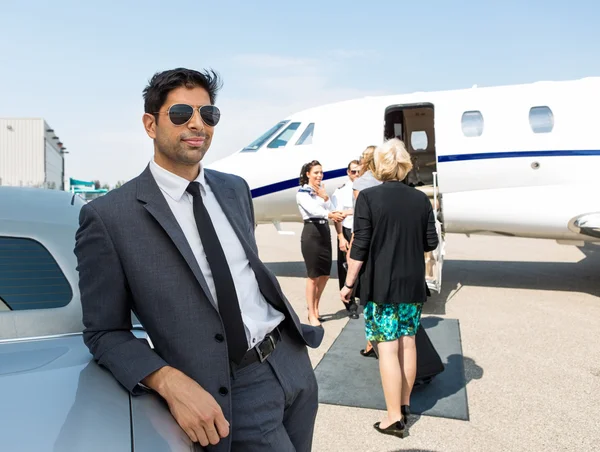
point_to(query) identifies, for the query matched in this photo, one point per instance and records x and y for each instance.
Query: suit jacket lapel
(227, 199)
(154, 201)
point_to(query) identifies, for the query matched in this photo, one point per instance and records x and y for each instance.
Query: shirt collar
(172, 184)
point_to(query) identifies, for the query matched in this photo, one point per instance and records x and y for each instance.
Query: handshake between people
(337, 216)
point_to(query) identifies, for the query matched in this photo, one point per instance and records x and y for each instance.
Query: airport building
(31, 154)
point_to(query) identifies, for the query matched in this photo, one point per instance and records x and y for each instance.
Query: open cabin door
(414, 124)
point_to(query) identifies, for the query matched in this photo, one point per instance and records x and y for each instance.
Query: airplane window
(472, 123)
(282, 139)
(256, 144)
(418, 140)
(307, 136)
(541, 119)
(31, 278)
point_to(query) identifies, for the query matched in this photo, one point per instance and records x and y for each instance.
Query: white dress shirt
(343, 199)
(311, 205)
(258, 315)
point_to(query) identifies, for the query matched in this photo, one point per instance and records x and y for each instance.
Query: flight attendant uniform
(316, 234)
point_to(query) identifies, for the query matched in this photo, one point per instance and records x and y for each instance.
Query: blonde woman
(366, 179)
(366, 176)
(394, 226)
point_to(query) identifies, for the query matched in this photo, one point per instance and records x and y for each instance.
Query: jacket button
(219, 337)
(223, 391)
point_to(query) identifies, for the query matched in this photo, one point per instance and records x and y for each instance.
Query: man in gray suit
(176, 246)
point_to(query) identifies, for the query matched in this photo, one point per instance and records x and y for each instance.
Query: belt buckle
(262, 356)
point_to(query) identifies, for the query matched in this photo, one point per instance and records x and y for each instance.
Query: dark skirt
(316, 249)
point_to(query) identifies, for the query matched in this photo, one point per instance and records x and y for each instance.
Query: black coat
(394, 227)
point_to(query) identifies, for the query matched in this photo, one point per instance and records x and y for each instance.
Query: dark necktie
(227, 299)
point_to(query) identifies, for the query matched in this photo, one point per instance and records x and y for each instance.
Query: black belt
(316, 221)
(262, 350)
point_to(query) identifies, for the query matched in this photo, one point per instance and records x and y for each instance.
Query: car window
(3, 305)
(30, 278)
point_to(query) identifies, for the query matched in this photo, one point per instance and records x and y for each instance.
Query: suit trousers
(275, 402)
(342, 272)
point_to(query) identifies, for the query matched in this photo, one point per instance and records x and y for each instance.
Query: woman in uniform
(316, 210)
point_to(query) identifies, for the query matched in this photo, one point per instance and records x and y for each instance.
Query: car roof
(26, 204)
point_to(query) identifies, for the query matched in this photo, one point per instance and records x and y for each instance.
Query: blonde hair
(366, 160)
(392, 161)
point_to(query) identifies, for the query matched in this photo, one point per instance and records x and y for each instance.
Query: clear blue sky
(82, 65)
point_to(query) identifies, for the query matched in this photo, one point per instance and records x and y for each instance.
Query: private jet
(516, 160)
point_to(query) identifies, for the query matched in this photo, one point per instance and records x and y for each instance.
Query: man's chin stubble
(183, 156)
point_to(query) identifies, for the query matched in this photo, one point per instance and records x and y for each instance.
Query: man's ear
(149, 124)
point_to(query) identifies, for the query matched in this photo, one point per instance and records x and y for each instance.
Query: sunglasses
(180, 114)
(353, 171)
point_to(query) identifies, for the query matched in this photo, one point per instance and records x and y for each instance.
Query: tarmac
(529, 313)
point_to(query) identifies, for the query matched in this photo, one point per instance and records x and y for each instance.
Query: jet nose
(239, 164)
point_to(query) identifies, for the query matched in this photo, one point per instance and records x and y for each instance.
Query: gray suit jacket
(133, 255)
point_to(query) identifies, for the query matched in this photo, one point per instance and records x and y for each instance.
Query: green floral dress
(388, 321)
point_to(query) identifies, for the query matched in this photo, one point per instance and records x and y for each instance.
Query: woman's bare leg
(321, 283)
(391, 380)
(407, 355)
(311, 296)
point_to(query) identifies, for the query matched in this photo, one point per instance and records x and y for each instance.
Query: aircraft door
(414, 124)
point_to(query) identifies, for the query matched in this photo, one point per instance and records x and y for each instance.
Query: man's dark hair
(353, 162)
(162, 83)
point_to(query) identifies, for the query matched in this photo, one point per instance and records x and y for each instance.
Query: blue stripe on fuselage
(507, 155)
(291, 183)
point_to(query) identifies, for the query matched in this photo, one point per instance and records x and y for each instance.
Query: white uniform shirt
(258, 315)
(311, 205)
(343, 199)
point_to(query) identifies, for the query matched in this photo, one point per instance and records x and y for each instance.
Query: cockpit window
(307, 135)
(282, 139)
(256, 144)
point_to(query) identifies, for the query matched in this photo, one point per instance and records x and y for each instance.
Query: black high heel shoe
(405, 413)
(368, 354)
(395, 429)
